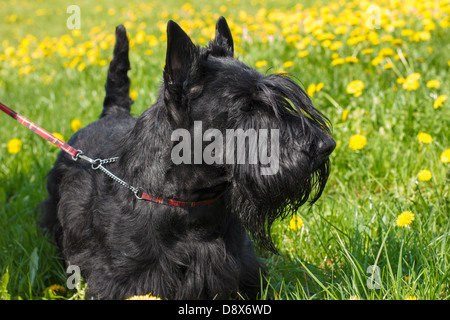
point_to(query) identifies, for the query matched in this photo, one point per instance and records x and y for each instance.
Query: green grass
(352, 226)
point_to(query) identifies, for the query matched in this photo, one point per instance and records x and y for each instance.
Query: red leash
(98, 163)
(38, 130)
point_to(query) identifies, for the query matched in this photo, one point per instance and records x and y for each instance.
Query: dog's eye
(247, 108)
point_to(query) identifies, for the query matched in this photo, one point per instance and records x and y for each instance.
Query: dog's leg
(117, 87)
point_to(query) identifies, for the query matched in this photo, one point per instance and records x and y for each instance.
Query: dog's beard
(259, 200)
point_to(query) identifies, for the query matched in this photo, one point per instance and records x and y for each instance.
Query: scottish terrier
(193, 238)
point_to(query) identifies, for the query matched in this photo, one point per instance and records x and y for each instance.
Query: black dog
(125, 245)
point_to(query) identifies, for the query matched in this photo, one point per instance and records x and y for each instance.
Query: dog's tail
(117, 86)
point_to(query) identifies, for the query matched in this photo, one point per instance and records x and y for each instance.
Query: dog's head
(260, 133)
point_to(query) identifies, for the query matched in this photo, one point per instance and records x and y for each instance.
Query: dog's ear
(179, 56)
(223, 37)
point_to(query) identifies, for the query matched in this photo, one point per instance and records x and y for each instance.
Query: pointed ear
(179, 56)
(223, 36)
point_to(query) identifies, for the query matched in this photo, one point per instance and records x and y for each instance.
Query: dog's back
(99, 139)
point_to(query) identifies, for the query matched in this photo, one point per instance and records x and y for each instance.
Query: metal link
(98, 164)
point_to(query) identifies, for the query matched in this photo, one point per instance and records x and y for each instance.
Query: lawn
(379, 71)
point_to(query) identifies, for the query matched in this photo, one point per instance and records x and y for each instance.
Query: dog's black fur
(125, 246)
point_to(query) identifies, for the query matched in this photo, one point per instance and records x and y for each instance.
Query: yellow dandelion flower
(351, 59)
(326, 43)
(261, 63)
(433, 84)
(302, 53)
(345, 115)
(144, 297)
(366, 51)
(288, 64)
(386, 52)
(337, 61)
(75, 125)
(445, 156)
(388, 65)
(319, 86)
(296, 223)
(439, 102)
(14, 146)
(76, 32)
(311, 89)
(134, 94)
(357, 142)
(355, 87)
(335, 45)
(397, 42)
(81, 66)
(411, 298)
(424, 137)
(56, 289)
(376, 61)
(411, 82)
(341, 29)
(424, 175)
(405, 219)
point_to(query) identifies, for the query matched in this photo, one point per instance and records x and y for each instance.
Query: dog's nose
(326, 146)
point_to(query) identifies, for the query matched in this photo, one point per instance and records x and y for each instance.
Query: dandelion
(311, 89)
(411, 298)
(445, 156)
(76, 32)
(337, 61)
(424, 137)
(56, 289)
(351, 60)
(261, 63)
(134, 94)
(14, 146)
(433, 84)
(405, 219)
(81, 66)
(144, 297)
(355, 87)
(302, 53)
(288, 64)
(75, 125)
(376, 61)
(296, 223)
(411, 82)
(424, 175)
(439, 102)
(357, 142)
(386, 52)
(366, 51)
(345, 114)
